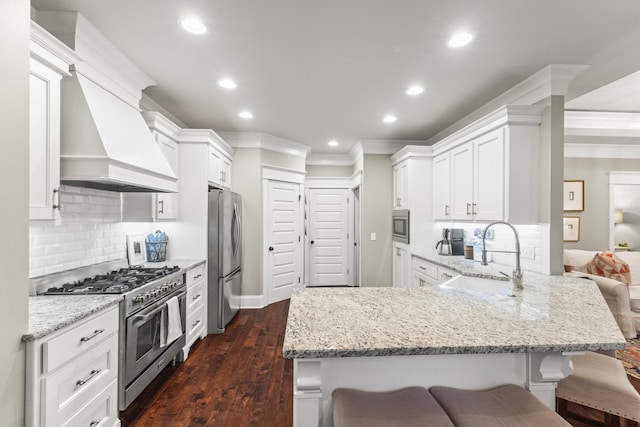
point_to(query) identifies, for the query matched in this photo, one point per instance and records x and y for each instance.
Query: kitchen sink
(477, 284)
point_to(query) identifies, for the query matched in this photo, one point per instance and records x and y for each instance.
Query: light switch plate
(373, 236)
(528, 252)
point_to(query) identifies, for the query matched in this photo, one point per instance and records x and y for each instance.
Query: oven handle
(160, 307)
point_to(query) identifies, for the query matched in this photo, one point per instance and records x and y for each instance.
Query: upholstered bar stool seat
(507, 405)
(599, 382)
(408, 407)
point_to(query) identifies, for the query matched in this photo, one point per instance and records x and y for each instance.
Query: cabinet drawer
(74, 385)
(195, 296)
(445, 274)
(101, 411)
(195, 323)
(64, 347)
(425, 267)
(195, 274)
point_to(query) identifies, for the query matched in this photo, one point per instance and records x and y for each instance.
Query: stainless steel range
(144, 319)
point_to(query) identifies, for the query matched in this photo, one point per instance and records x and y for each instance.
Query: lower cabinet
(401, 265)
(426, 273)
(196, 307)
(72, 374)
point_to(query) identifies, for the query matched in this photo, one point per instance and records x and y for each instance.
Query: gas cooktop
(116, 282)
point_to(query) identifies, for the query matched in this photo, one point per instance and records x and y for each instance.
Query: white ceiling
(311, 71)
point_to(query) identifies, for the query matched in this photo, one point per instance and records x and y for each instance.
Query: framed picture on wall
(571, 228)
(574, 196)
(136, 249)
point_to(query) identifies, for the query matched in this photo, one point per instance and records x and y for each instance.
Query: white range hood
(104, 141)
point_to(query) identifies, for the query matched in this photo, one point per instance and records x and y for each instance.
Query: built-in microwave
(400, 226)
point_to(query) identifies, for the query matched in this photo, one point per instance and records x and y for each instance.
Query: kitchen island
(388, 338)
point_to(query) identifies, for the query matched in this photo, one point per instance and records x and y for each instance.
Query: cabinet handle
(446, 210)
(93, 335)
(468, 207)
(398, 251)
(398, 201)
(447, 275)
(422, 268)
(161, 203)
(194, 324)
(56, 197)
(92, 374)
(196, 297)
(473, 211)
(94, 423)
(197, 276)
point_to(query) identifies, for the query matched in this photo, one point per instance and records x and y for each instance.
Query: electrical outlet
(528, 252)
(373, 236)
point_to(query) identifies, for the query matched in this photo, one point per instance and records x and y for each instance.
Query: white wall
(14, 187)
(594, 220)
(323, 171)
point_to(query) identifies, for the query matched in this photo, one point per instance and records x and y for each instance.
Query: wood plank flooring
(236, 379)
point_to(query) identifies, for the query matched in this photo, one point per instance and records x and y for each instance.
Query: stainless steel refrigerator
(224, 258)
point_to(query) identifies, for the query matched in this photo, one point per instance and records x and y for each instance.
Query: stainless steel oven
(400, 226)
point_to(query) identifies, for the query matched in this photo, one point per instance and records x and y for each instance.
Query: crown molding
(604, 123)
(50, 51)
(552, 80)
(205, 136)
(149, 104)
(162, 124)
(267, 142)
(601, 151)
(520, 115)
(386, 146)
(412, 151)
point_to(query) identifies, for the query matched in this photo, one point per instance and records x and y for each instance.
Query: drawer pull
(93, 335)
(92, 374)
(94, 423)
(422, 268)
(447, 275)
(197, 277)
(194, 324)
(196, 297)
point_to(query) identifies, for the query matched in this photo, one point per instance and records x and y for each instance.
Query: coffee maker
(452, 242)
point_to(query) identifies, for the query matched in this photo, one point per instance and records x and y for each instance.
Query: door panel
(329, 232)
(284, 246)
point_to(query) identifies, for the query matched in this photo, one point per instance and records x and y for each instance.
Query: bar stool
(507, 405)
(407, 407)
(599, 382)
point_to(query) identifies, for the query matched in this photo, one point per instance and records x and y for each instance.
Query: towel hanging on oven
(170, 323)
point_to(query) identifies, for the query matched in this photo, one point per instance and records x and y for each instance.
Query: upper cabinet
(401, 185)
(411, 178)
(487, 171)
(50, 61)
(219, 166)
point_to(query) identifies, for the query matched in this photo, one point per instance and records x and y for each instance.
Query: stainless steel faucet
(518, 275)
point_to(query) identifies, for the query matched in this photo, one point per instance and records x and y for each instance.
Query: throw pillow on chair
(607, 264)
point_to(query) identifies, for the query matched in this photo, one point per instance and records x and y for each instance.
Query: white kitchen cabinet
(401, 265)
(442, 187)
(424, 273)
(401, 185)
(166, 204)
(493, 168)
(72, 374)
(195, 315)
(219, 168)
(49, 63)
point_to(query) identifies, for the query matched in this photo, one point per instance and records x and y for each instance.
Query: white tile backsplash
(90, 232)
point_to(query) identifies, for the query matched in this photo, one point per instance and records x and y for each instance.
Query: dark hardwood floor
(236, 379)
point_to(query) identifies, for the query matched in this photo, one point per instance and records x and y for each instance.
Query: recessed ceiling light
(246, 115)
(415, 90)
(193, 25)
(227, 84)
(460, 39)
(333, 143)
(389, 119)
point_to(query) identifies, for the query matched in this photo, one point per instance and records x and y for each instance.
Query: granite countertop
(551, 313)
(182, 263)
(469, 267)
(48, 313)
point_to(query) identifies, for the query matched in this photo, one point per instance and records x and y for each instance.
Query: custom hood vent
(105, 142)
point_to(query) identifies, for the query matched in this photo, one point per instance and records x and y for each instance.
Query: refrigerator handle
(238, 230)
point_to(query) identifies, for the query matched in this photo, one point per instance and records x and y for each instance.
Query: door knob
(270, 248)
(312, 242)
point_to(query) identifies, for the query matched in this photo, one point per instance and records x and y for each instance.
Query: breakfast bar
(470, 334)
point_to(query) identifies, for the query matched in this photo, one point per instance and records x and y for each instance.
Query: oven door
(142, 346)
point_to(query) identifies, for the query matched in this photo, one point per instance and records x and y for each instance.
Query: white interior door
(284, 257)
(329, 253)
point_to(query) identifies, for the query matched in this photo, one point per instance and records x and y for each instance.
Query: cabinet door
(462, 182)
(488, 179)
(442, 187)
(401, 186)
(225, 172)
(166, 204)
(401, 265)
(214, 166)
(44, 142)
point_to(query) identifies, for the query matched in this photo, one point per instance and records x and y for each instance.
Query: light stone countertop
(48, 313)
(551, 313)
(469, 267)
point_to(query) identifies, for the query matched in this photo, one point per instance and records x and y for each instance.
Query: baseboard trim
(252, 301)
